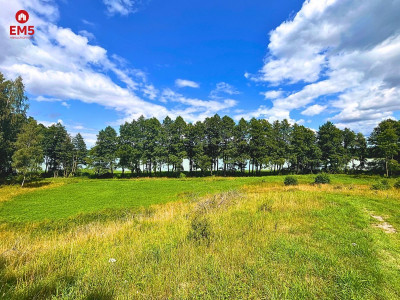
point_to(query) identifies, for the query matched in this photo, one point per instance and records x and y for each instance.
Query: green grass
(226, 239)
(85, 197)
(91, 196)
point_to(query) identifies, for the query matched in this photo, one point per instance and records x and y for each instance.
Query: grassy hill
(200, 238)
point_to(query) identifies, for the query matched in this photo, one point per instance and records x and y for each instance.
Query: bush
(265, 207)
(290, 180)
(200, 229)
(322, 179)
(182, 175)
(381, 186)
(397, 184)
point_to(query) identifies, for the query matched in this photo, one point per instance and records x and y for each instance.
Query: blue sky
(102, 62)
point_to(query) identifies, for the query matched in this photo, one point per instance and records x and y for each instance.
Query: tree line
(220, 144)
(217, 144)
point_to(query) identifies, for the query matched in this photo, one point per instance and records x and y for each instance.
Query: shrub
(265, 207)
(290, 180)
(200, 229)
(397, 184)
(182, 175)
(322, 178)
(381, 186)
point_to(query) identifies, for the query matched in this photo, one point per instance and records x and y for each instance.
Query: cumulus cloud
(314, 110)
(346, 50)
(272, 94)
(65, 104)
(61, 65)
(186, 83)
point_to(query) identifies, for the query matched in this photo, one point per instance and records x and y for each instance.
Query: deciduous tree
(29, 154)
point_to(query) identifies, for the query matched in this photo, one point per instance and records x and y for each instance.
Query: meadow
(200, 238)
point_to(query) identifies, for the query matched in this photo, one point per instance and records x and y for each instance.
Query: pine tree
(105, 150)
(241, 145)
(227, 146)
(200, 158)
(79, 152)
(349, 138)
(151, 143)
(304, 152)
(386, 142)
(57, 148)
(330, 141)
(257, 144)
(166, 140)
(212, 130)
(177, 146)
(360, 150)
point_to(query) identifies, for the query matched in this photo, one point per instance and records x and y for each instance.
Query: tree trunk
(150, 167)
(224, 166)
(387, 169)
(23, 181)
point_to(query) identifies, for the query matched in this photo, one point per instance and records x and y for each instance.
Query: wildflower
(112, 260)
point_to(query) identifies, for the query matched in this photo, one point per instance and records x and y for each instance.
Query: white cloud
(61, 65)
(122, 7)
(272, 94)
(348, 51)
(65, 104)
(49, 123)
(314, 110)
(46, 99)
(86, 22)
(271, 114)
(223, 88)
(186, 83)
(150, 91)
(87, 34)
(90, 138)
(197, 109)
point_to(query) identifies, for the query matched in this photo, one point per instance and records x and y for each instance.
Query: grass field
(215, 238)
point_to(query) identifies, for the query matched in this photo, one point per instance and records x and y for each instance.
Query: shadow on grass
(36, 184)
(101, 294)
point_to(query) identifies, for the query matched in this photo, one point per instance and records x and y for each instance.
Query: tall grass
(260, 241)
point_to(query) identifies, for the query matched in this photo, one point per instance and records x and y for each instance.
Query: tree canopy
(215, 144)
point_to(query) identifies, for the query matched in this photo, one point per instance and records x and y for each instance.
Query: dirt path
(388, 228)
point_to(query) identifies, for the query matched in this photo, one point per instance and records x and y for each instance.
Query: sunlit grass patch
(263, 240)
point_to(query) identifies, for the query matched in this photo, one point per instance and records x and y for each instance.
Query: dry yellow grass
(7, 192)
(266, 240)
(354, 189)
